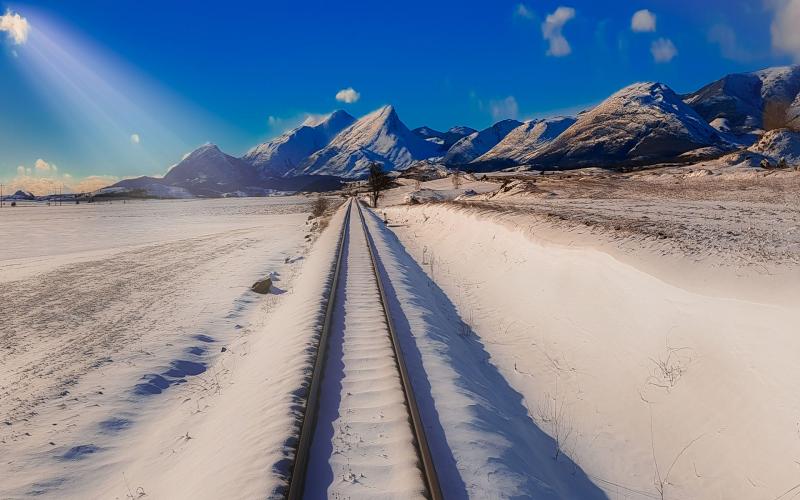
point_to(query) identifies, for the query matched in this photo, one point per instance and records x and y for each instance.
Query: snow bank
(627, 370)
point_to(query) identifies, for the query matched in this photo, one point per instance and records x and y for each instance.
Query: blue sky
(91, 75)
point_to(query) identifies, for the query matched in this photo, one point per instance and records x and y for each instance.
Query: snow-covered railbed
(363, 444)
(122, 325)
(644, 384)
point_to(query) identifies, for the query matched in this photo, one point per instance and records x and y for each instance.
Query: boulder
(262, 286)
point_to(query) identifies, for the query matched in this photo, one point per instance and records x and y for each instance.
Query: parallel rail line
(298, 478)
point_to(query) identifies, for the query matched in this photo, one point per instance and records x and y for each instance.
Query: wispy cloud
(663, 50)
(504, 108)
(725, 37)
(348, 95)
(522, 11)
(643, 21)
(16, 26)
(785, 29)
(552, 31)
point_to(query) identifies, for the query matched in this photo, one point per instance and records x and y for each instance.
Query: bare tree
(377, 181)
(456, 178)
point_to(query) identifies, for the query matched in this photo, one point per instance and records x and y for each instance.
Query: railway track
(361, 427)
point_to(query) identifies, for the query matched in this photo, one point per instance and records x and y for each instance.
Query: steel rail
(417, 427)
(297, 477)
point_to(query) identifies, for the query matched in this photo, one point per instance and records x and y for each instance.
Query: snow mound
(644, 123)
(521, 143)
(478, 143)
(423, 196)
(378, 137)
(284, 153)
(779, 144)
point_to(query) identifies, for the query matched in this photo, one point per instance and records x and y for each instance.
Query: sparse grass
(551, 412)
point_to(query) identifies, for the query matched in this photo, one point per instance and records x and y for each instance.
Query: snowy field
(108, 309)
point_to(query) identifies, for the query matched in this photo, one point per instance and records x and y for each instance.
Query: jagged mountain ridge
(476, 144)
(522, 142)
(378, 137)
(444, 139)
(642, 123)
(277, 157)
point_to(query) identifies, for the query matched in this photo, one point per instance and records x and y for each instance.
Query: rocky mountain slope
(522, 142)
(286, 152)
(747, 103)
(641, 124)
(378, 137)
(478, 143)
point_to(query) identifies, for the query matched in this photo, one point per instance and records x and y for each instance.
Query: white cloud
(552, 31)
(725, 37)
(16, 26)
(504, 108)
(348, 95)
(135, 139)
(524, 12)
(42, 166)
(785, 28)
(643, 21)
(51, 181)
(663, 50)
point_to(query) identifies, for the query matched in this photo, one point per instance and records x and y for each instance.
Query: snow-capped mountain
(208, 172)
(747, 103)
(444, 139)
(378, 137)
(278, 156)
(209, 169)
(643, 123)
(522, 142)
(478, 143)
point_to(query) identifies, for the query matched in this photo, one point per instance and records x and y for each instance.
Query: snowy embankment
(647, 386)
(137, 361)
(483, 441)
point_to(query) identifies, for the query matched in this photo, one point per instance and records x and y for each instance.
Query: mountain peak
(378, 137)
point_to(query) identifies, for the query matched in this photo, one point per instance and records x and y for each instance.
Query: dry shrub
(319, 206)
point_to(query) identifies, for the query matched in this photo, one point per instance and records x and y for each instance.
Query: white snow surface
(127, 310)
(377, 137)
